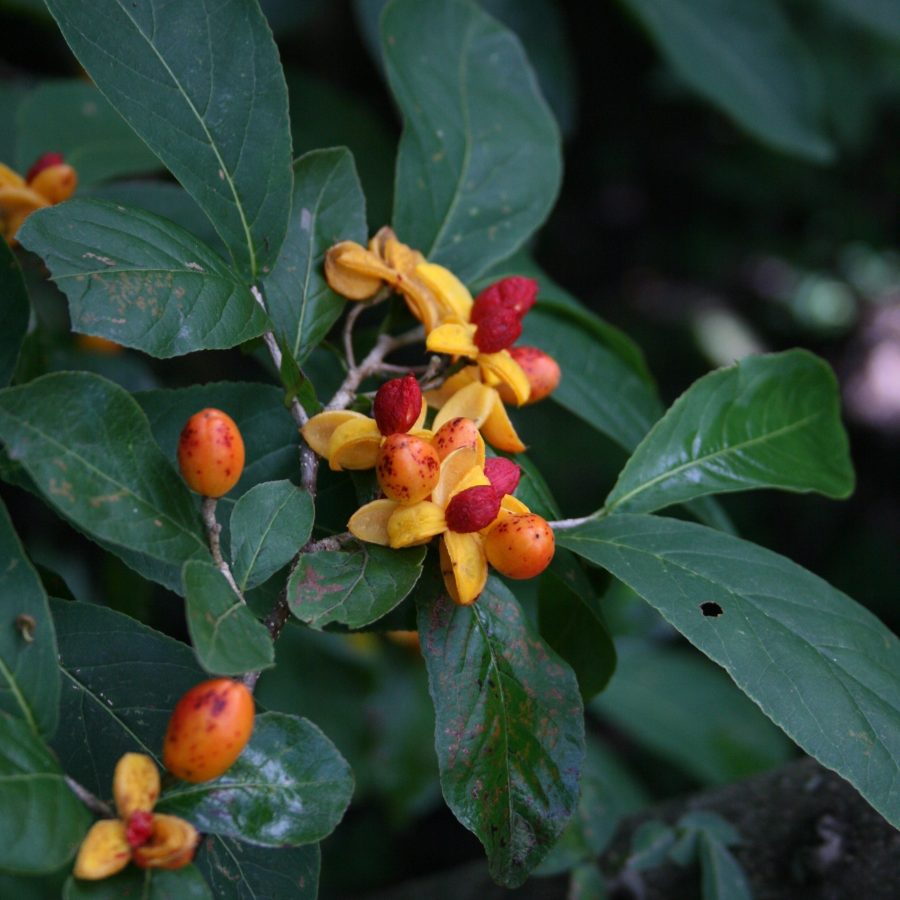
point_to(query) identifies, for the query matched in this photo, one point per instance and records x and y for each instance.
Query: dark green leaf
(711, 824)
(587, 883)
(14, 312)
(42, 821)
(478, 166)
(328, 207)
(75, 119)
(767, 421)
(121, 681)
(819, 665)
(509, 728)
(88, 448)
(239, 871)
(29, 680)
(723, 878)
(650, 844)
(745, 59)
(141, 280)
(691, 714)
(203, 87)
(147, 884)
(34, 887)
(290, 786)
(355, 586)
(882, 17)
(269, 524)
(226, 636)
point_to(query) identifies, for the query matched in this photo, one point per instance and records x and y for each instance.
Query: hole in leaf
(711, 608)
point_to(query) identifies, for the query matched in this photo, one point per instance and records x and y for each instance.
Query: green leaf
(355, 586)
(328, 207)
(121, 681)
(767, 421)
(147, 884)
(691, 714)
(650, 844)
(745, 59)
(226, 636)
(14, 312)
(819, 665)
(29, 680)
(75, 119)
(881, 17)
(589, 366)
(140, 280)
(88, 448)
(43, 821)
(722, 876)
(587, 883)
(239, 871)
(509, 729)
(290, 786)
(269, 524)
(478, 166)
(203, 88)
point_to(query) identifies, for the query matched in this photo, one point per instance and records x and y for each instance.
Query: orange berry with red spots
(208, 729)
(541, 370)
(211, 453)
(520, 546)
(458, 432)
(407, 468)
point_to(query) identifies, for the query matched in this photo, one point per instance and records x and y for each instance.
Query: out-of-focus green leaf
(147, 884)
(354, 586)
(121, 681)
(226, 636)
(509, 730)
(14, 312)
(239, 871)
(205, 91)
(767, 421)
(882, 17)
(140, 280)
(478, 166)
(823, 668)
(722, 876)
(650, 845)
(29, 679)
(586, 882)
(88, 448)
(328, 207)
(12, 93)
(75, 119)
(289, 786)
(42, 821)
(269, 524)
(691, 714)
(745, 59)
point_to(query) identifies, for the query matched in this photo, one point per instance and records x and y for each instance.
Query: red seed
(497, 330)
(472, 509)
(503, 474)
(139, 828)
(397, 405)
(513, 294)
(44, 162)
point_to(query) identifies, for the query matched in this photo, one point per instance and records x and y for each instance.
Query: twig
(349, 325)
(94, 804)
(213, 532)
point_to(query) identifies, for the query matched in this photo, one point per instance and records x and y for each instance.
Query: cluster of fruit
(49, 181)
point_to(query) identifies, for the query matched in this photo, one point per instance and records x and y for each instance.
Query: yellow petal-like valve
(497, 429)
(370, 522)
(171, 845)
(475, 401)
(9, 178)
(507, 371)
(135, 784)
(354, 445)
(450, 291)
(454, 339)
(463, 378)
(454, 469)
(318, 430)
(103, 852)
(416, 524)
(354, 272)
(468, 568)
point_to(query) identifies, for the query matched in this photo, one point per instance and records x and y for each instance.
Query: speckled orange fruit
(407, 467)
(452, 435)
(520, 546)
(211, 453)
(541, 370)
(208, 729)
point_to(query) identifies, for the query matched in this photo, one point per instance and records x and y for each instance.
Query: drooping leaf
(822, 667)
(239, 871)
(745, 59)
(141, 280)
(767, 421)
(478, 166)
(722, 876)
(42, 821)
(29, 680)
(75, 119)
(205, 91)
(148, 884)
(121, 681)
(690, 714)
(14, 312)
(269, 524)
(227, 637)
(354, 586)
(290, 786)
(509, 729)
(328, 207)
(88, 448)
